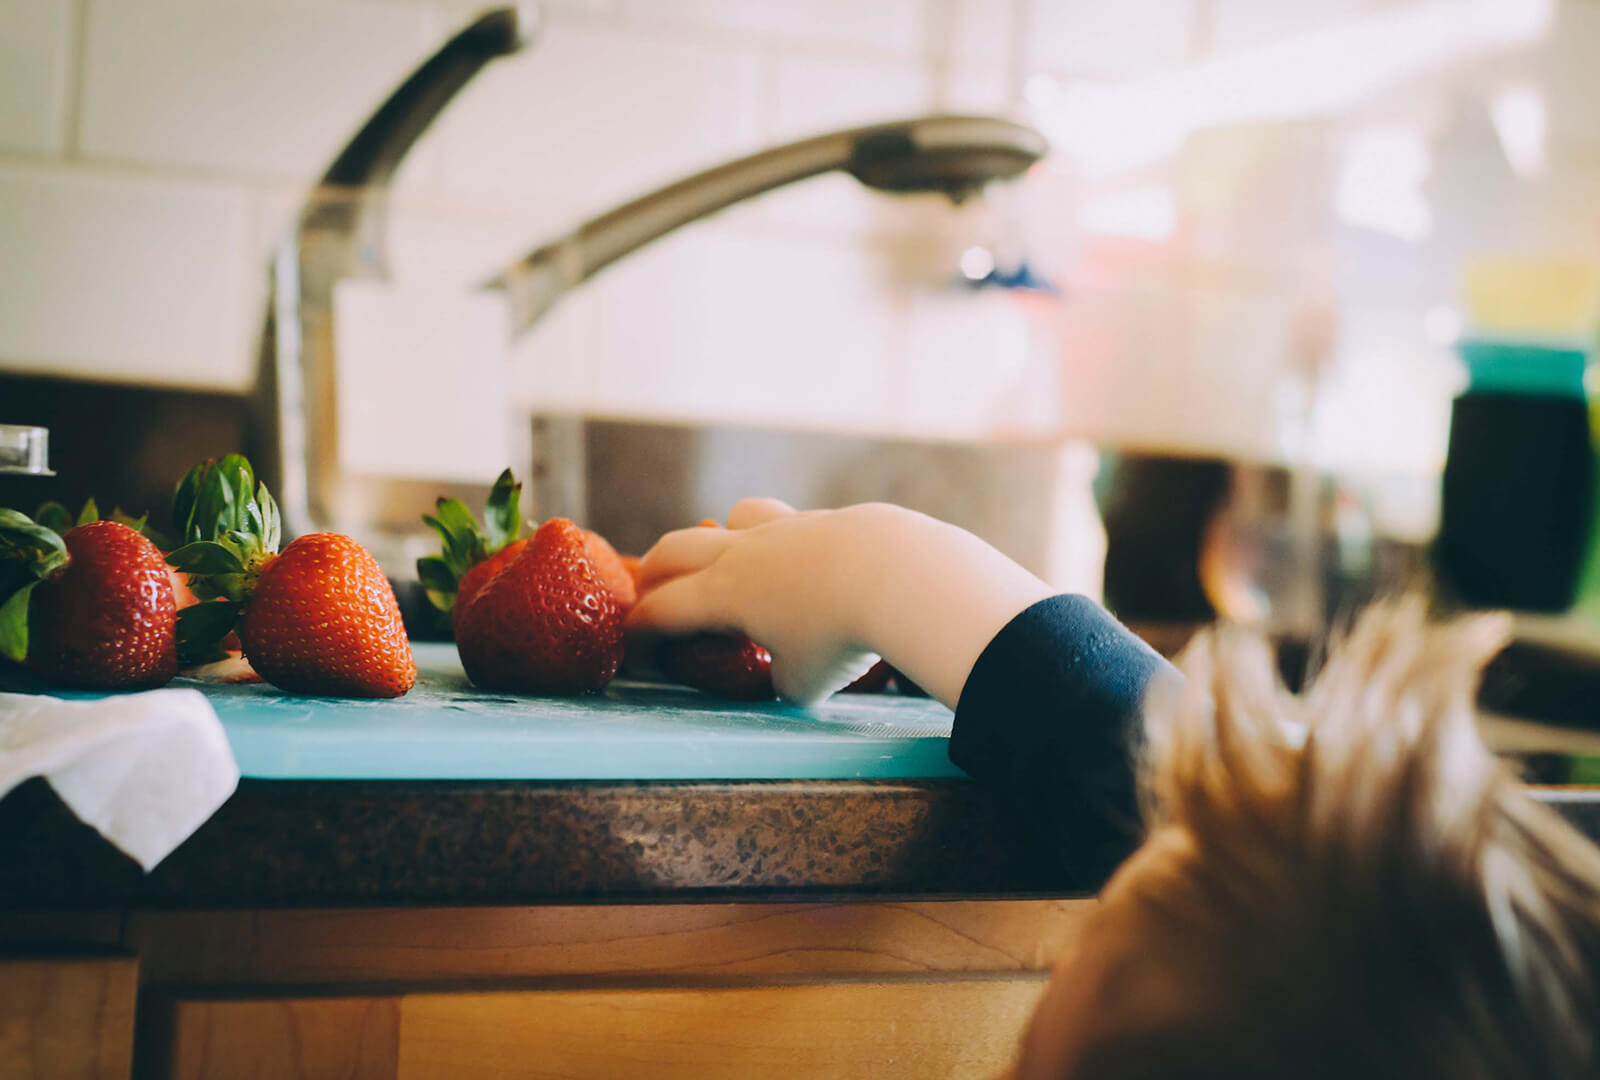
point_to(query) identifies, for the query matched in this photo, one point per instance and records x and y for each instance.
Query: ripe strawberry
(323, 620)
(98, 611)
(472, 553)
(452, 577)
(730, 666)
(727, 665)
(544, 622)
(467, 588)
(905, 685)
(612, 569)
(318, 619)
(875, 680)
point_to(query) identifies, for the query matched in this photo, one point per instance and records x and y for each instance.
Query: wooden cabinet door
(67, 1018)
(922, 1028)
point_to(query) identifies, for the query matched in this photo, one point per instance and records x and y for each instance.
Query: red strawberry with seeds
(471, 553)
(727, 665)
(875, 680)
(467, 588)
(613, 570)
(320, 618)
(99, 612)
(544, 622)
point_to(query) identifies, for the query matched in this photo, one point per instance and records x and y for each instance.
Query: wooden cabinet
(67, 1017)
(610, 992)
(925, 1027)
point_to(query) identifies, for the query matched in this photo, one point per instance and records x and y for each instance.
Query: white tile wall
(151, 153)
(264, 88)
(132, 279)
(592, 115)
(1127, 38)
(974, 31)
(714, 321)
(813, 95)
(892, 26)
(1242, 24)
(35, 45)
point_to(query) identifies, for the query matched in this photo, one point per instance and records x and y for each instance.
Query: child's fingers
(681, 552)
(681, 606)
(748, 513)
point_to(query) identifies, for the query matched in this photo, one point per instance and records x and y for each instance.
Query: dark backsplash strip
(124, 445)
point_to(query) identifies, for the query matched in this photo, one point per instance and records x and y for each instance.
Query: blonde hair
(1369, 891)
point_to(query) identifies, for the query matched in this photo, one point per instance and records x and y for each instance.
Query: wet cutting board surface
(446, 729)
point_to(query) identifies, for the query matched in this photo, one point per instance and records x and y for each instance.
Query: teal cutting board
(445, 729)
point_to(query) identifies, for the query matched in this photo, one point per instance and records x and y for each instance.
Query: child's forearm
(937, 596)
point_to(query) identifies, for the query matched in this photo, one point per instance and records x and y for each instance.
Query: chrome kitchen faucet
(340, 234)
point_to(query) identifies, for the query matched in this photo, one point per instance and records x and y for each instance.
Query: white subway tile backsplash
(716, 323)
(554, 367)
(977, 362)
(897, 26)
(592, 115)
(462, 9)
(268, 88)
(975, 31)
(122, 279)
(35, 43)
(813, 95)
(1244, 24)
(1128, 38)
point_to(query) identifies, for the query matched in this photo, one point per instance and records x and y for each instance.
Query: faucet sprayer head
(953, 155)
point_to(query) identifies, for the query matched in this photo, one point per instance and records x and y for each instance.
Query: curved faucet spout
(952, 155)
(341, 234)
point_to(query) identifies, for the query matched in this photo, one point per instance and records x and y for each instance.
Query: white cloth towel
(145, 769)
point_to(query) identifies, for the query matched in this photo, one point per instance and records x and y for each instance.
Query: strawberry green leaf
(55, 517)
(455, 518)
(201, 628)
(213, 510)
(435, 575)
(222, 502)
(462, 549)
(183, 500)
(90, 512)
(272, 520)
(502, 514)
(14, 624)
(23, 539)
(463, 543)
(205, 557)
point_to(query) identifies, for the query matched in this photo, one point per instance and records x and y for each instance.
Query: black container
(1518, 501)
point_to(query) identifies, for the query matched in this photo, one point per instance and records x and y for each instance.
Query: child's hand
(823, 590)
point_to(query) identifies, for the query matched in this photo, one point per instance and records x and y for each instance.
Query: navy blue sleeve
(1051, 719)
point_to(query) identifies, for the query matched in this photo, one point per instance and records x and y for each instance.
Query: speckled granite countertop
(326, 843)
(294, 843)
(291, 843)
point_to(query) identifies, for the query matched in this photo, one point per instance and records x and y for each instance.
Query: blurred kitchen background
(1227, 315)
